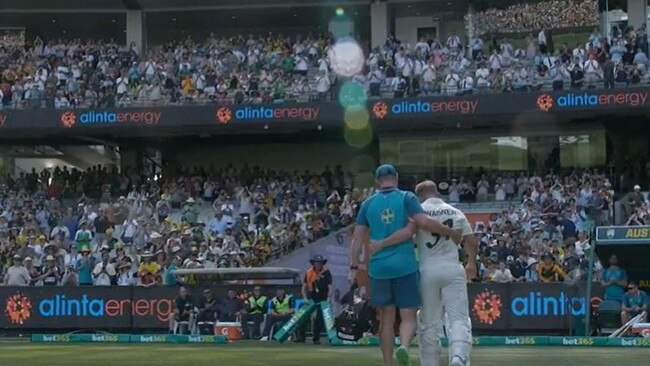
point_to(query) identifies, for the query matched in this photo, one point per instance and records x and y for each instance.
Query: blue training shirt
(385, 213)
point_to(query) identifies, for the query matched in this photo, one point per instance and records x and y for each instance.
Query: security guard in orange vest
(316, 286)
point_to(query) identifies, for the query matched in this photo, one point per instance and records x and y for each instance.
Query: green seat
(609, 316)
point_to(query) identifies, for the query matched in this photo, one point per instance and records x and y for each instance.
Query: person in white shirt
(460, 64)
(322, 86)
(582, 243)
(482, 76)
(476, 44)
(375, 77)
(125, 275)
(422, 48)
(482, 187)
(500, 191)
(17, 275)
(495, 62)
(453, 42)
(467, 84)
(300, 64)
(541, 40)
(122, 85)
(103, 272)
(502, 274)
(60, 229)
(592, 70)
(451, 82)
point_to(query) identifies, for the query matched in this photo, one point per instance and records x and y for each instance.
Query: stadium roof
(89, 6)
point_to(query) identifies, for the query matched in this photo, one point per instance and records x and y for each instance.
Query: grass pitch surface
(272, 354)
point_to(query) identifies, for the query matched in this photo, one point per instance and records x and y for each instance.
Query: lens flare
(346, 57)
(352, 94)
(358, 138)
(356, 117)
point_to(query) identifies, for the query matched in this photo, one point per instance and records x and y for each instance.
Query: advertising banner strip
(80, 338)
(522, 341)
(623, 235)
(136, 120)
(126, 338)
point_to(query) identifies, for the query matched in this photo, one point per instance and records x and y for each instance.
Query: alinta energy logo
(68, 119)
(546, 102)
(224, 115)
(487, 307)
(261, 113)
(18, 308)
(382, 109)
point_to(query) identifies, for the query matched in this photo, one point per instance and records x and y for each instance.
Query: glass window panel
(445, 156)
(583, 151)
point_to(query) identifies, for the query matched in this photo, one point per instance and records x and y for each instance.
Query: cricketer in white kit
(443, 281)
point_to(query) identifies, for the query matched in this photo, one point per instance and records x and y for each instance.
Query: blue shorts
(403, 292)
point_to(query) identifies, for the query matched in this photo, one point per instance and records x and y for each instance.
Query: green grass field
(271, 354)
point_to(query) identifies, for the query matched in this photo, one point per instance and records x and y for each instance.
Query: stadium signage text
(535, 304)
(633, 99)
(453, 106)
(93, 307)
(61, 306)
(309, 113)
(149, 118)
(623, 235)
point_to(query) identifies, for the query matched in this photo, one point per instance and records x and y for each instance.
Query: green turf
(271, 354)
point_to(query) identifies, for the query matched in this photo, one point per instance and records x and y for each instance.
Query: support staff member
(393, 270)
(634, 303)
(257, 304)
(316, 286)
(282, 308)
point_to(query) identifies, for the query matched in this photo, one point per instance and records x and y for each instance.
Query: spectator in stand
(549, 270)
(503, 274)
(17, 274)
(614, 280)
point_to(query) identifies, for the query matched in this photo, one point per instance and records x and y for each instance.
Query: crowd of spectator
(276, 68)
(532, 15)
(125, 230)
(252, 69)
(100, 227)
(449, 67)
(544, 239)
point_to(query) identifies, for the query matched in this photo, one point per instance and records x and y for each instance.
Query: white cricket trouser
(443, 286)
